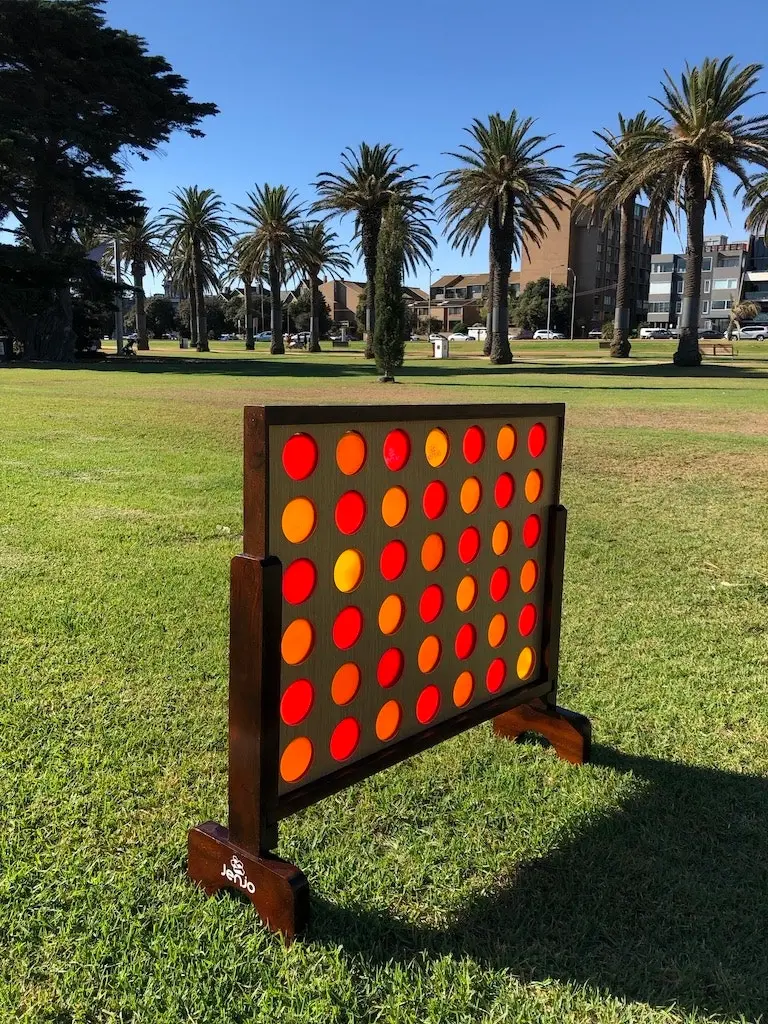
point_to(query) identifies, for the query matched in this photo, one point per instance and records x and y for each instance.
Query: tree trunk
(502, 265)
(277, 348)
(621, 346)
(202, 320)
(248, 290)
(369, 241)
(688, 353)
(489, 300)
(49, 335)
(138, 269)
(314, 318)
(192, 315)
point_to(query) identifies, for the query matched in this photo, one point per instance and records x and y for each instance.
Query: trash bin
(441, 348)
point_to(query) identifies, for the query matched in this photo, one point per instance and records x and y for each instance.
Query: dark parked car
(710, 335)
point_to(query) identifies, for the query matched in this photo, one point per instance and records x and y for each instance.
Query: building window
(678, 307)
(658, 307)
(721, 304)
(662, 268)
(659, 288)
(706, 264)
(727, 261)
(454, 310)
(679, 287)
(725, 283)
(705, 306)
(707, 286)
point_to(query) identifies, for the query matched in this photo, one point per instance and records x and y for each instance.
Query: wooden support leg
(569, 732)
(278, 891)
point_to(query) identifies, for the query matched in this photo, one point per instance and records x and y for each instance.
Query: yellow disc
(466, 593)
(526, 663)
(534, 484)
(502, 535)
(497, 630)
(348, 570)
(463, 689)
(299, 519)
(471, 492)
(391, 614)
(394, 506)
(437, 447)
(506, 442)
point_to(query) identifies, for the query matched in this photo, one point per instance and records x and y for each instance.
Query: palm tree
(706, 132)
(370, 179)
(601, 179)
(241, 267)
(320, 254)
(141, 251)
(745, 310)
(505, 185)
(198, 232)
(756, 201)
(274, 219)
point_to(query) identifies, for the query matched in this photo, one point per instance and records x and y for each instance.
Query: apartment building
(343, 298)
(457, 298)
(730, 271)
(582, 247)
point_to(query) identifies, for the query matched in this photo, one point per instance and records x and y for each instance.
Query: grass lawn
(480, 881)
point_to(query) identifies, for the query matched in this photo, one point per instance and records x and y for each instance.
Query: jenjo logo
(236, 873)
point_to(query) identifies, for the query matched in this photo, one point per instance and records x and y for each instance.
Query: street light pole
(435, 270)
(549, 301)
(117, 256)
(573, 301)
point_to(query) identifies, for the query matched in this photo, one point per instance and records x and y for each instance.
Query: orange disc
(529, 576)
(471, 492)
(526, 663)
(299, 519)
(388, 720)
(350, 453)
(506, 442)
(346, 683)
(429, 654)
(391, 614)
(502, 535)
(394, 506)
(463, 689)
(296, 759)
(497, 630)
(437, 447)
(534, 484)
(432, 552)
(466, 593)
(298, 640)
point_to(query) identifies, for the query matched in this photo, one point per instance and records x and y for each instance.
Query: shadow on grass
(664, 901)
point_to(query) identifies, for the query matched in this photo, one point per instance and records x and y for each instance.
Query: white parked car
(752, 332)
(264, 336)
(436, 337)
(538, 335)
(458, 337)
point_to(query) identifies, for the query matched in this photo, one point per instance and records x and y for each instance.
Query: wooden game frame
(239, 857)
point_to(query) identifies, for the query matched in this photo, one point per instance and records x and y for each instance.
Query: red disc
(537, 439)
(469, 545)
(466, 639)
(504, 491)
(390, 667)
(350, 512)
(299, 456)
(531, 531)
(428, 704)
(435, 499)
(393, 559)
(431, 603)
(297, 701)
(500, 580)
(473, 444)
(397, 449)
(526, 623)
(347, 628)
(344, 739)
(496, 674)
(299, 580)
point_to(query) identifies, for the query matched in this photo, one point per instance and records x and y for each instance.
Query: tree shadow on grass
(664, 901)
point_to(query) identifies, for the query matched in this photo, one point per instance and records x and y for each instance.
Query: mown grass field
(480, 881)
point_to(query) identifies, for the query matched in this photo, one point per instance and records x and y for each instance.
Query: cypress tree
(389, 328)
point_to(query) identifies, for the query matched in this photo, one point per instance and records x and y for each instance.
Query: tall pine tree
(389, 328)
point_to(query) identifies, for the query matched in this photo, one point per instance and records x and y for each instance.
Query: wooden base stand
(569, 732)
(278, 891)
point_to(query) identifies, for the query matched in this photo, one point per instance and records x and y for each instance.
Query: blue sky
(298, 81)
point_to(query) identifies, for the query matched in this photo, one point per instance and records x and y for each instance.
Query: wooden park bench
(717, 348)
